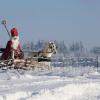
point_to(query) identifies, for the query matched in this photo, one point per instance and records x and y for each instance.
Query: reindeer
(44, 55)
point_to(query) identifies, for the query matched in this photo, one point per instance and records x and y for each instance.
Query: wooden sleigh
(25, 64)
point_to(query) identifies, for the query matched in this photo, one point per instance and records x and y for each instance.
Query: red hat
(14, 32)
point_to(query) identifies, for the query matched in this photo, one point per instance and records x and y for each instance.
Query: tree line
(76, 49)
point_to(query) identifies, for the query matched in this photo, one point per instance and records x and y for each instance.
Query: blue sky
(68, 20)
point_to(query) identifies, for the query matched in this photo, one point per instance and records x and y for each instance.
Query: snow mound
(55, 84)
(70, 92)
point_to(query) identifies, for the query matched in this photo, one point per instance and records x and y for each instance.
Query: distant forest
(75, 49)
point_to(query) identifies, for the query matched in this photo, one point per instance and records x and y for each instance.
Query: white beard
(15, 42)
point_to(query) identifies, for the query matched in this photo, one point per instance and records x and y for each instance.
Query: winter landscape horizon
(64, 37)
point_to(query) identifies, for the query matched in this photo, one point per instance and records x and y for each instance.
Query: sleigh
(40, 59)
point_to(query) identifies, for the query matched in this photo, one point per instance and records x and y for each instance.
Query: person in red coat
(13, 48)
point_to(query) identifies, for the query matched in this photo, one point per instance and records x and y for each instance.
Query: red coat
(7, 52)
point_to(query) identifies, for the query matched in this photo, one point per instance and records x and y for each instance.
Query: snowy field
(56, 84)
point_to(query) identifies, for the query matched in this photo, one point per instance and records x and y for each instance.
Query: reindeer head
(53, 47)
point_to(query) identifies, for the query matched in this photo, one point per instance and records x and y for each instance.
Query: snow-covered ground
(56, 84)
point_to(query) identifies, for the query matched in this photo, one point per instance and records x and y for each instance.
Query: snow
(59, 83)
